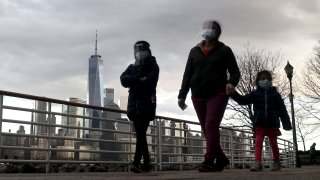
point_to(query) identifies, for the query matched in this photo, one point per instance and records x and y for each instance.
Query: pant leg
(274, 146)
(145, 150)
(210, 113)
(215, 110)
(201, 110)
(141, 127)
(258, 147)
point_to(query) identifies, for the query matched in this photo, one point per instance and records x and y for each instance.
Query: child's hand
(287, 127)
(229, 89)
(142, 78)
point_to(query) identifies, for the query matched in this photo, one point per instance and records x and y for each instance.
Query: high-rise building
(40, 117)
(123, 102)
(109, 103)
(108, 96)
(53, 120)
(95, 87)
(109, 124)
(71, 120)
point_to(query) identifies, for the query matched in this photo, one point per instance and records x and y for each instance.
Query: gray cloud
(45, 45)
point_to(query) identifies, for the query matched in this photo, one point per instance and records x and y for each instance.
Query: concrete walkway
(304, 173)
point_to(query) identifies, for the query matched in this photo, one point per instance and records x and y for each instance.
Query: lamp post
(289, 72)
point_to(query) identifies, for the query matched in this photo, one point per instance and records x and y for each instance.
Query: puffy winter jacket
(268, 107)
(142, 94)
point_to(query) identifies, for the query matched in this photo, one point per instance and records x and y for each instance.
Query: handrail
(168, 144)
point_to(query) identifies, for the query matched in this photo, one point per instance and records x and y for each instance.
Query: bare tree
(311, 82)
(250, 62)
(306, 128)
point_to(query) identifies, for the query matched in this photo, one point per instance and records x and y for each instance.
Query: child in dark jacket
(268, 107)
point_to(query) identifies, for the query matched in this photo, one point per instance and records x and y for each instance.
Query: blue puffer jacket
(142, 94)
(268, 107)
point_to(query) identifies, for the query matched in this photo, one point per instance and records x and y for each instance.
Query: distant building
(109, 123)
(95, 87)
(71, 120)
(123, 102)
(53, 121)
(40, 117)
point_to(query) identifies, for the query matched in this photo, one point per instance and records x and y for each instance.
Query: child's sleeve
(283, 114)
(243, 100)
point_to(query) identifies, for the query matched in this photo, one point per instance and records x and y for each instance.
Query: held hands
(182, 104)
(229, 89)
(142, 78)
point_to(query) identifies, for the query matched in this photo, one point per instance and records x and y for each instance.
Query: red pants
(272, 133)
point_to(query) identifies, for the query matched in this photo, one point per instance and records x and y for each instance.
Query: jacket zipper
(265, 105)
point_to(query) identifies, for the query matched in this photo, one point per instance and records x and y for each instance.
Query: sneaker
(135, 169)
(276, 166)
(257, 167)
(146, 167)
(221, 163)
(207, 166)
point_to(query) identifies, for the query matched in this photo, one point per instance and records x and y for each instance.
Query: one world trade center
(95, 87)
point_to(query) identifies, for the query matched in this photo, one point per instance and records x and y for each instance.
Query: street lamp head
(289, 70)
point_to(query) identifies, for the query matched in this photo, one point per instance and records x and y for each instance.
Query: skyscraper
(40, 117)
(73, 121)
(95, 86)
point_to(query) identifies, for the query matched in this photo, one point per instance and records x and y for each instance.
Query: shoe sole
(256, 170)
(275, 169)
(221, 167)
(206, 170)
(135, 170)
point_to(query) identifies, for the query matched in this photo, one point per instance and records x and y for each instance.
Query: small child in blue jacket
(268, 107)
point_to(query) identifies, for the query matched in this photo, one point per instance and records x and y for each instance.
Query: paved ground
(304, 173)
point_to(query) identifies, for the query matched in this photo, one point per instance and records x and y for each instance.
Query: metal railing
(51, 131)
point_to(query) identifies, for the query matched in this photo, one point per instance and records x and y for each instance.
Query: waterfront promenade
(304, 173)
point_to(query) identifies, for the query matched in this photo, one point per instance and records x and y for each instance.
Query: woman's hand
(182, 104)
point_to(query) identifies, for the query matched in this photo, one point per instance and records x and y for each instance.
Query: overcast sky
(45, 44)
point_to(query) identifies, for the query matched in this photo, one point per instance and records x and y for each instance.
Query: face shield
(209, 25)
(141, 52)
(140, 47)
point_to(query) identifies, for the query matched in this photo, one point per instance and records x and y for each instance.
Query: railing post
(130, 144)
(1, 110)
(231, 149)
(49, 138)
(180, 145)
(159, 143)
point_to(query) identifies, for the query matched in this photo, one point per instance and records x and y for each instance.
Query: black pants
(141, 126)
(313, 159)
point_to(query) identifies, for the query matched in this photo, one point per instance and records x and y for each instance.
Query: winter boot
(276, 166)
(146, 167)
(135, 168)
(257, 166)
(221, 163)
(207, 166)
